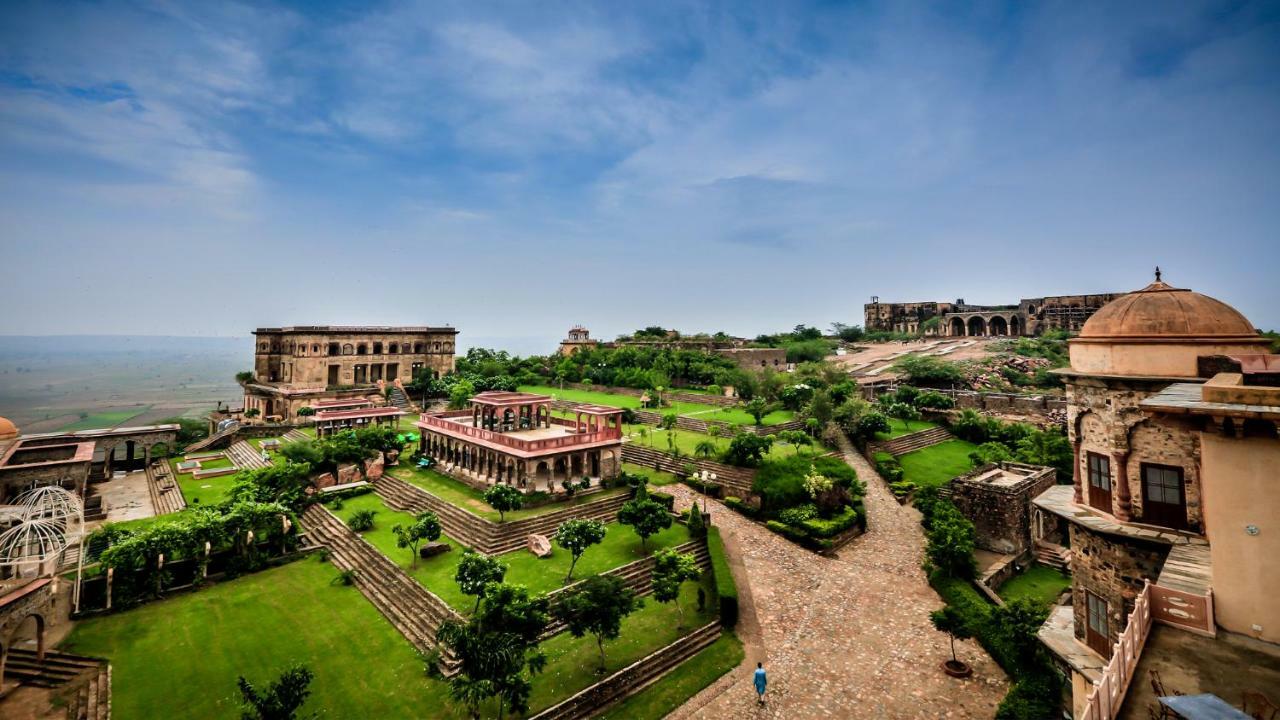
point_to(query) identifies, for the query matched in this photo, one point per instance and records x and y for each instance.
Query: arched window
(333, 349)
(377, 348)
(437, 347)
(348, 349)
(417, 348)
(362, 349)
(394, 349)
(263, 347)
(315, 349)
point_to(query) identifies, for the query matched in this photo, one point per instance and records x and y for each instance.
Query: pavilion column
(1124, 504)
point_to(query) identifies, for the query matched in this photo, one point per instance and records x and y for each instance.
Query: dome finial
(1157, 273)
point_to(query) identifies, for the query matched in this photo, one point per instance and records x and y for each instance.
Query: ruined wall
(1113, 568)
(1001, 515)
(303, 358)
(756, 359)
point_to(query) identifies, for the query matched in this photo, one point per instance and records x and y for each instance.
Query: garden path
(843, 637)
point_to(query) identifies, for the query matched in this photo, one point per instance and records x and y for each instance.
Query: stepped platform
(166, 496)
(245, 456)
(908, 443)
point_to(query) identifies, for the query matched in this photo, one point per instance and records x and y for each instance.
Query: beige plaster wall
(1240, 489)
(1153, 359)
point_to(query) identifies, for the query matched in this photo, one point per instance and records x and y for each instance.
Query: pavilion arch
(956, 327)
(542, 473)
(7, 643)
(998, 326)
(377, 348)
(394, 349)
(977, 326)
(1015, 325)
(362, 349)
(418, 348)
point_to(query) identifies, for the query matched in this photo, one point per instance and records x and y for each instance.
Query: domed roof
(8, 430)
(1160, 310)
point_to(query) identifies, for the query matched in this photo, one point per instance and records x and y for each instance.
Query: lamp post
(706, 477)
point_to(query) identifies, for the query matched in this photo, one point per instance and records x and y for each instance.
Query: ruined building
(1031, 316)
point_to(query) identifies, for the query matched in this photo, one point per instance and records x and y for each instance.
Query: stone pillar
(1124, 502)
(1081, 477)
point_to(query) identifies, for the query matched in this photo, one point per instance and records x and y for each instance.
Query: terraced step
(904, 444)
(92, 700)
(245, 457)
(296, 435)
(213, 439)
(55, 670)
(166, 496)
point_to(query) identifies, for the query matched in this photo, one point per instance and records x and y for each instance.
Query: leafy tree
(990, 452)
(598, 607)
(872, 424)
(303, 452)
(950, 541)
(697, 526)
(747, 449)
(1047, 448)
(475, 572)
(285, 484)
(902, 411)
(306, 411)
(668, 422)
(278, 701)
(504, 499)
(1017, 624)
(929, 371)
(576, 536)
(252, 413)
(189, 430)
(461, 394)
(646, 516)
(629, 416)
(705, 449)
(757, 408)
(244, 377)
(425, 526)
(820, 408)
(361, 520)
(498, 649)
(796, 439)
(670, 570)
(952, 622)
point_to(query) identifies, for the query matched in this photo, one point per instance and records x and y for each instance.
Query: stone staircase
(633, 678)
(296, 435)
(245, 457)
(484, 535)
(737, 481)
(637, 575)
(396, 397)
(213, 439)
(1055, 556)
(409, 607)
(908, 443)
(166, 496)
(84, 682)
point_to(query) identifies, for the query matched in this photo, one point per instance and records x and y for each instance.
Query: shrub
(951, 542)
(781, 483)
(726, 590)
(747, 449)
(836, 524)
(736, 503)
(697, 526)
(361, 520)
(929, 371)
(798, 514)
(902, 489)
(667, 500)
(346, 577)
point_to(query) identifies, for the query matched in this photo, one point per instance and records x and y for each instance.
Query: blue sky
(516, 168)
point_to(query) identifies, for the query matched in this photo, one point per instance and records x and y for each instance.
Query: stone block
(539, 545)
(433, 549)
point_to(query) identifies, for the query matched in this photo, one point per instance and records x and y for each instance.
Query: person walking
(761, 681)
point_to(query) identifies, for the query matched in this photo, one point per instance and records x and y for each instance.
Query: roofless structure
(513, 438)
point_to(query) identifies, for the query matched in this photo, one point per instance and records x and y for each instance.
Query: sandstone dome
(8, 430)
(1161, 331)
(1160, 310)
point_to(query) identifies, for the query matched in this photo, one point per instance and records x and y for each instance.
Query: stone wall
(756, 359)
(1001, 514)
(1047, 405)
(1113, 568)
(303, 358)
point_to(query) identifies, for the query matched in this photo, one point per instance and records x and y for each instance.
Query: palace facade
(1031, 316)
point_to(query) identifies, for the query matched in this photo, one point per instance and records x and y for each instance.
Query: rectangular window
(1164, 485)
(1100, 471)
(1097, 614)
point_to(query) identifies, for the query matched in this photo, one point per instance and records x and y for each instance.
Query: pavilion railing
(1108, 692)
(449, 424)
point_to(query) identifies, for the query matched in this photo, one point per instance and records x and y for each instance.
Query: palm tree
(705, 449)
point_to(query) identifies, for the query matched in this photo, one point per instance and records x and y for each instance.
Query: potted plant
(951, 622)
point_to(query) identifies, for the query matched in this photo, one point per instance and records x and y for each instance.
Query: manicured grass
(462, 495)
(656, 477)
(259, 624)
(203, 491)
(216, 464)
(1041, 583)
(935, 465)
(620, 546)
(738, 416)
(180, 657)
(896, 428)
(694, 674)
(687, 441)
(702, 411)
(104, 419)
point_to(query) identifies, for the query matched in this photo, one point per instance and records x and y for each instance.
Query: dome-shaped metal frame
(52, 518)
(50, 502)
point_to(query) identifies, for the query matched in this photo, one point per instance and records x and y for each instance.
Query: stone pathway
(843, 637)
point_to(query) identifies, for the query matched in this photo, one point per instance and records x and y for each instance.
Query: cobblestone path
(843, 637)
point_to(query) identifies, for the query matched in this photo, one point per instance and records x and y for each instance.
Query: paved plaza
(843, 637)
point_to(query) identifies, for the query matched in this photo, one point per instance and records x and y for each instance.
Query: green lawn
(104, 419)
(687, 441)
(935, 465)
(702, 411)
(656, 477)
(1039, 582)
(738, 416)
(180, 657)
(462, 495)
(216, 464)
(203, 491)
(694, 674)
(620, 546)
(896, 428)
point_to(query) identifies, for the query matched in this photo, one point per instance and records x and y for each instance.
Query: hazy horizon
(513, 170)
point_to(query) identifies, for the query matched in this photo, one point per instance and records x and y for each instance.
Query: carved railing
(1108, 692)
(446, 423)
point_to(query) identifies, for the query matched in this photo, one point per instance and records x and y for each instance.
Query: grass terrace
(204, 640)
(465, 497)
(656, 477)
(1041, 583)
(701, 411)
(935, 465)
(620, 546)
(896, 428)
(203, 491)
(694, 674)
(687, 441)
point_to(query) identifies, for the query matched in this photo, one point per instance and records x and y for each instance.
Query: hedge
(668, 500)
(726, 590)
(735, 503)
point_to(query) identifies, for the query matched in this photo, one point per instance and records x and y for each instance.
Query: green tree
(872, 424)
(796, 439)
(252, 413)
(576, 536)
(705, 449)
(646, 516)
(747, 449)
(306, 411)
(598, 607)
(757, 408)
(668, 422)
(244, 377)
(902, 411)
(929, 371)
(504, 499)
(950, 541)
(278, 701)
(425, 526)
(670, 571)
(952, 622)
(475, 572)
(1017, 624)
(461, 394)
(989, 452)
